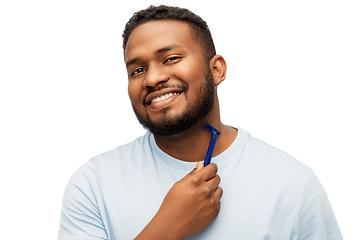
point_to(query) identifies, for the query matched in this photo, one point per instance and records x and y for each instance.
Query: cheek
(134, 92)
(192, 71)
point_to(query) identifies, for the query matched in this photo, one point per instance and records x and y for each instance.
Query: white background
(63, 93)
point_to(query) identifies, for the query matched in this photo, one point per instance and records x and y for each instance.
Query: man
(146, 189)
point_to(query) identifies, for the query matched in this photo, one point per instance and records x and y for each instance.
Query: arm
(316, 219)
(81, 217)
(190, 206)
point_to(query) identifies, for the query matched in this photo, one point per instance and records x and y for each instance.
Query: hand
(189, 207)
(193, 203)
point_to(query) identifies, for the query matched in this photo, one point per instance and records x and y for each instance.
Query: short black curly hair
(198, 26)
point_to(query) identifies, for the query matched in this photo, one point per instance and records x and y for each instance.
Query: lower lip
(164, 103)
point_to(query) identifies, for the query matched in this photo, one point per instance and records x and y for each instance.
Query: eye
(137, 72)
(172, 59)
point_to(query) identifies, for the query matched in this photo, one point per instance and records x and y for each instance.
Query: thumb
(198, 167)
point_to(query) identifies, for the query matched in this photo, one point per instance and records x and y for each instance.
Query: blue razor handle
(210, 149)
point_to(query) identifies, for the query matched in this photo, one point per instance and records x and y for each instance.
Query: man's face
(170, 84)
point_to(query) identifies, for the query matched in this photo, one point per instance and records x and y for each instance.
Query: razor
(210, 149)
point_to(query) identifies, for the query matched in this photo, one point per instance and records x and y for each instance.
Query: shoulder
(120, 156)
(264, 153)
(88, 175)
(140, 144)
(267, 165)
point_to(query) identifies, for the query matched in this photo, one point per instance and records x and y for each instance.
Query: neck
(192, 145)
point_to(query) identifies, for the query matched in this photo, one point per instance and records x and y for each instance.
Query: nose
(155, 75)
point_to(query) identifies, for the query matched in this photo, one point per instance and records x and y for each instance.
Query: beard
(170, 125)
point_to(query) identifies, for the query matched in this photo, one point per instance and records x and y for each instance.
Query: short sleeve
(80, 216)
(316, 219)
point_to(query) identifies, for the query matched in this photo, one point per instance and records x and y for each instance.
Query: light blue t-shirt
(266, 194)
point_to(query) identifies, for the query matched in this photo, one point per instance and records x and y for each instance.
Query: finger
(213, 184)
(218, 208)
(208, 172)
(216, 199)
(198, 167)
(216, 180)
(208, 188)
(218, 193)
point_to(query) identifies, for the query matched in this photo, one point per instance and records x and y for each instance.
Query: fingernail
(199, 165)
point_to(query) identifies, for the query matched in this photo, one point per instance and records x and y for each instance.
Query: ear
(219, 69)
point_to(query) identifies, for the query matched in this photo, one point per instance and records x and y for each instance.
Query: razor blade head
(210, 128)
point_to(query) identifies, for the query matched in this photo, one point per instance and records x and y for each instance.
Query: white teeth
(163, 97)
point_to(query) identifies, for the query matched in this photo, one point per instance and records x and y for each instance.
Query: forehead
(154, 35)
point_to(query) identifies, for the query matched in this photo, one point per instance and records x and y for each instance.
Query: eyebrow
(133, 61)
(159, 51)
(168, 48)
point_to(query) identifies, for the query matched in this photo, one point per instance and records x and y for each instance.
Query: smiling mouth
(162, 100)
(164, 97)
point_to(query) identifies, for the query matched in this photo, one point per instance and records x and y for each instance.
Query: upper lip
(150, 96)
